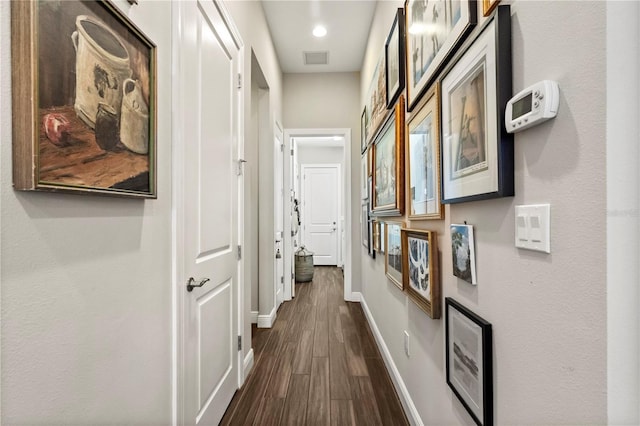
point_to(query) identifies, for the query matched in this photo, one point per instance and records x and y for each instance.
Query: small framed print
(364, 223)
(382, 236)
(423, 158)
(463, 252)
(469, 361)
(393, 256)
(477, 151)
(394, 55)
(388, 174)
(420, 266)
(364, 174)
(363, 130)
(488, 6)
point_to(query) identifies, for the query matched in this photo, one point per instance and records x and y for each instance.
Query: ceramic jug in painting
(102, 66)
(134, 118)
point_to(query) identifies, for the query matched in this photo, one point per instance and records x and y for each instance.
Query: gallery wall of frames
(432, 133)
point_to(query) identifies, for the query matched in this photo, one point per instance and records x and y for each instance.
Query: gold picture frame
(84, 100)
(421, 274)
(488, 6)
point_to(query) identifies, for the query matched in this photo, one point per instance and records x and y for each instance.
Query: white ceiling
(292, 21)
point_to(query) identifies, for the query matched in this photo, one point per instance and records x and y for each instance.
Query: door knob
(278, 255)
(191, 285)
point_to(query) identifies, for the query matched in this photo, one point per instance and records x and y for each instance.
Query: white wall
(548, 311)
(329, 100)
(251, 23)
(86, 281)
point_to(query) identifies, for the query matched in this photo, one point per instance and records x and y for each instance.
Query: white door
(321, 198)
(208, 97)
(279, 213)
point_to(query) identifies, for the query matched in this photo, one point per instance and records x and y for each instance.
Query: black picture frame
(482, 73)
(394, 53)
(463, 361)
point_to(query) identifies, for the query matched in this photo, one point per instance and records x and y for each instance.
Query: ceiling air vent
(316, 58)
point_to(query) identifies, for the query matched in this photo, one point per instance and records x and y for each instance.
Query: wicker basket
(304, 265)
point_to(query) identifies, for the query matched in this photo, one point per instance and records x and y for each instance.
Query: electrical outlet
(406, 343)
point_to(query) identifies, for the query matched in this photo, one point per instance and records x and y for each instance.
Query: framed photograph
(376, 235)
(84, 103)
(388, 179)
(371, 248)
(469, 361)
(377, 101)
(463, 252)
(393, 256)
(364, 174)
(394, 59)
(423, 158)
(420, 263)
(477, 151)
(382, 236)
(364, 223)
(363, 130)
(488, 6)
(434, 31)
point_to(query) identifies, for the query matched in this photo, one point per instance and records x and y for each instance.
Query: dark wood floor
(318, 365)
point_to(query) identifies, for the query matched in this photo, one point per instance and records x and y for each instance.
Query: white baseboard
(266, 321)
(356, 296)
(254, 317)
(248, 364)
(401, 388)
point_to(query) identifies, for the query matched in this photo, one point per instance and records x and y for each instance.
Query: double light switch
(533, 227)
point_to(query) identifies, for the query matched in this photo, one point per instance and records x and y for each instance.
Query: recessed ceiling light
(319, 31)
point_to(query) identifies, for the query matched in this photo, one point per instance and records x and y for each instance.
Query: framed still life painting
(434, 31)
(394, 59)
(477, 151)
(423, 158)
(376, 108)
(388, 173)
(393, 256)
(470, 361)
(420, 266)
(84, 120)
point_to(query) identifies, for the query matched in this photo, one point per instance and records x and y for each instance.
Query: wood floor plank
(338, 371)
(303, 353)
(270, 412)
(281, 374)
(342, 413)
(365, 407)
(335, 326)
(353, 351)
(319, 408)
(386, 398)
(295, 407)
(321, 339)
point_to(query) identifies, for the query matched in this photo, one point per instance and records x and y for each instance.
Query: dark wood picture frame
(428, 52)
(421, 273)
(84, 120)
(394, 53)
(470, 360)
(476, 149)
(388, 161)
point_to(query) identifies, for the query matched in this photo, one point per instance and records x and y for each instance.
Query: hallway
(319, 364)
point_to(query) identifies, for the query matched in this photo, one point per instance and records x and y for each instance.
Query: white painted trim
(407, 403)
(266, 321)
(356, 296)
(254, 317)
(247, 365)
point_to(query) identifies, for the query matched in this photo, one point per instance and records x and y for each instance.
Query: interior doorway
(315, 149)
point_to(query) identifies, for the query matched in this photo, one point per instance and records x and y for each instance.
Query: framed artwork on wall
(364, 223)
(364, 174)
(393, 256)
(463, 252)
(377, 99)
(84, 121)
(488, 6)
(382, 236)
(363, 130)
(423, 158)
(477, 151)
(388, 173)
(394, 59)
(420, 266)
(470, 361)
(434, 31)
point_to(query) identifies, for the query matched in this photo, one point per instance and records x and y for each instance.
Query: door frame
(340, 182)
(278, 211)
(177, 203)
(289, 146)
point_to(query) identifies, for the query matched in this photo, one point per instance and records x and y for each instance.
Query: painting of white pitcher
(89, 113)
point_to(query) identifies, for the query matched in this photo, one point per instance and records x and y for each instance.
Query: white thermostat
(532, 106)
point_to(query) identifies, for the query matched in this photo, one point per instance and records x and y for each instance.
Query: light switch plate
(533, 227)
